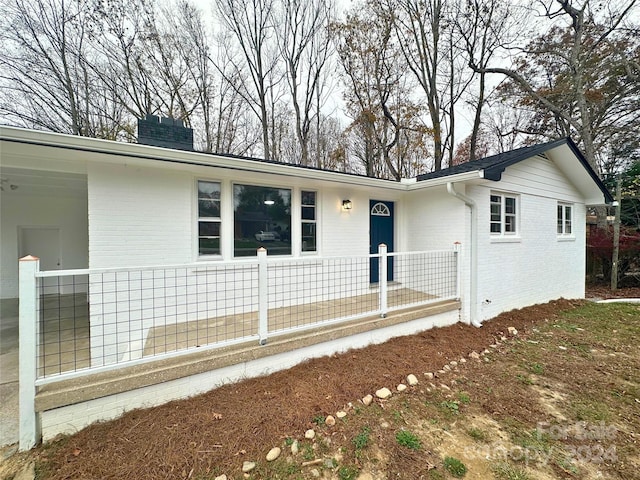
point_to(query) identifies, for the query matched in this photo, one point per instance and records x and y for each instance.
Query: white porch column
(382, 279)
(263, 296)
(28, 333)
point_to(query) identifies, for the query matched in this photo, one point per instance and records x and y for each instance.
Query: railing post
(382, 251)
(263, 296)
(457, 246)
(27, 354)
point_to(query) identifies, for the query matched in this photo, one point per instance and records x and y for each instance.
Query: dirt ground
(213, 434)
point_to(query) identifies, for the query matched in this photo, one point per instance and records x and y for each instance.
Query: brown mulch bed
(603, 291)
(213, 433)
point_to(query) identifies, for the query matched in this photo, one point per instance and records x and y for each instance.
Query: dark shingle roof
(493, 166)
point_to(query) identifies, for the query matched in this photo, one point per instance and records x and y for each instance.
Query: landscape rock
(441, 372)
(310, 434)
(248, 466)
(315, 473)
(401, 388)
(453, 363)
(444, 387)
(475, 355)
(428, 375)
(446, 368)
(463, 360)
(512, 331)
(330, 421)
(221, 477)
(273, 454)
(367, 400)
(383, 393)
(295, 447)
(412, 380)
(341, 414)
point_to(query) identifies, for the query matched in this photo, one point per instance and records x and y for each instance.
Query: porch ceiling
(20, 181)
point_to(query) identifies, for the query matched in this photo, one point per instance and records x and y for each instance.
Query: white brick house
(107, 204)
(155, 231)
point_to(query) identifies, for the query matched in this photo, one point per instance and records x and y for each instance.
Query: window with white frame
(208, 218)
(261, 218)
(504, 214)
(308, 219)
(565, 212)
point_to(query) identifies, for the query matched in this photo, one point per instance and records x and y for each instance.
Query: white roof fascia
(160, 154)
(565, 161)
(474, 175)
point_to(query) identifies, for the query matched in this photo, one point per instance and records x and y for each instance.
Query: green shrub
(408, 439)
(455, 467)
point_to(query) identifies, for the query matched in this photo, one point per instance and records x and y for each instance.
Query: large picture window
(504, 219)
(308, 218)
(262, 218)
(208, 218)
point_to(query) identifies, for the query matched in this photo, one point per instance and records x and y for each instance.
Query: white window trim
(503, 236)
(301, 221)
(563, 236)
(196, 209)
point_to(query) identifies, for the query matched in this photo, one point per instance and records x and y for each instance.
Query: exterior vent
(164, 132)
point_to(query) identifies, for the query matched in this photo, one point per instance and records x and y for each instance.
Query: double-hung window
(308, 219)
(208, 218)
(564, 219)
(504, 215)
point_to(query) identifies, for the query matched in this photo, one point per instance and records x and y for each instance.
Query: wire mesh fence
(304, 293)
(90, 319)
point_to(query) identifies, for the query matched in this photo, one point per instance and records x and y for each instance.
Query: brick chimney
(164, 132)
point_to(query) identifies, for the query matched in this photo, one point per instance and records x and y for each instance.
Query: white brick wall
(71, 418)
(435, 220)
(138, 216)
(536, 266)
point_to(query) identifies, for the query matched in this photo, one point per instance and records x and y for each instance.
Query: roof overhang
(26, 148)
(563, 153)
(570, 161)
(475, 176)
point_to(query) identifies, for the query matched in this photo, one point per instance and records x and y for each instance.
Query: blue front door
(380, 231)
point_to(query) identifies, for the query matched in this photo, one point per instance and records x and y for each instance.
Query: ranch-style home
(180, 270)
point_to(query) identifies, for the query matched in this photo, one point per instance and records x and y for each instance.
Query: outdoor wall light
(347, 205)
(269, 202)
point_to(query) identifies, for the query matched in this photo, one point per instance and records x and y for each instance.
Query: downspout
(473, 274)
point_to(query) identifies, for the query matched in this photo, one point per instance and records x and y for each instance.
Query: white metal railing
(74, 322)
(96, 319)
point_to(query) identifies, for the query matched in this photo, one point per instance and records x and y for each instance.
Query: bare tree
(485, 28)
(377, 95)
(250, 24)
(427, 38)
(44, 76)
(305, 48)
(581, 75)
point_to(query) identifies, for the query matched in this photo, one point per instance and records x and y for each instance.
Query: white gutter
(473, 274)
